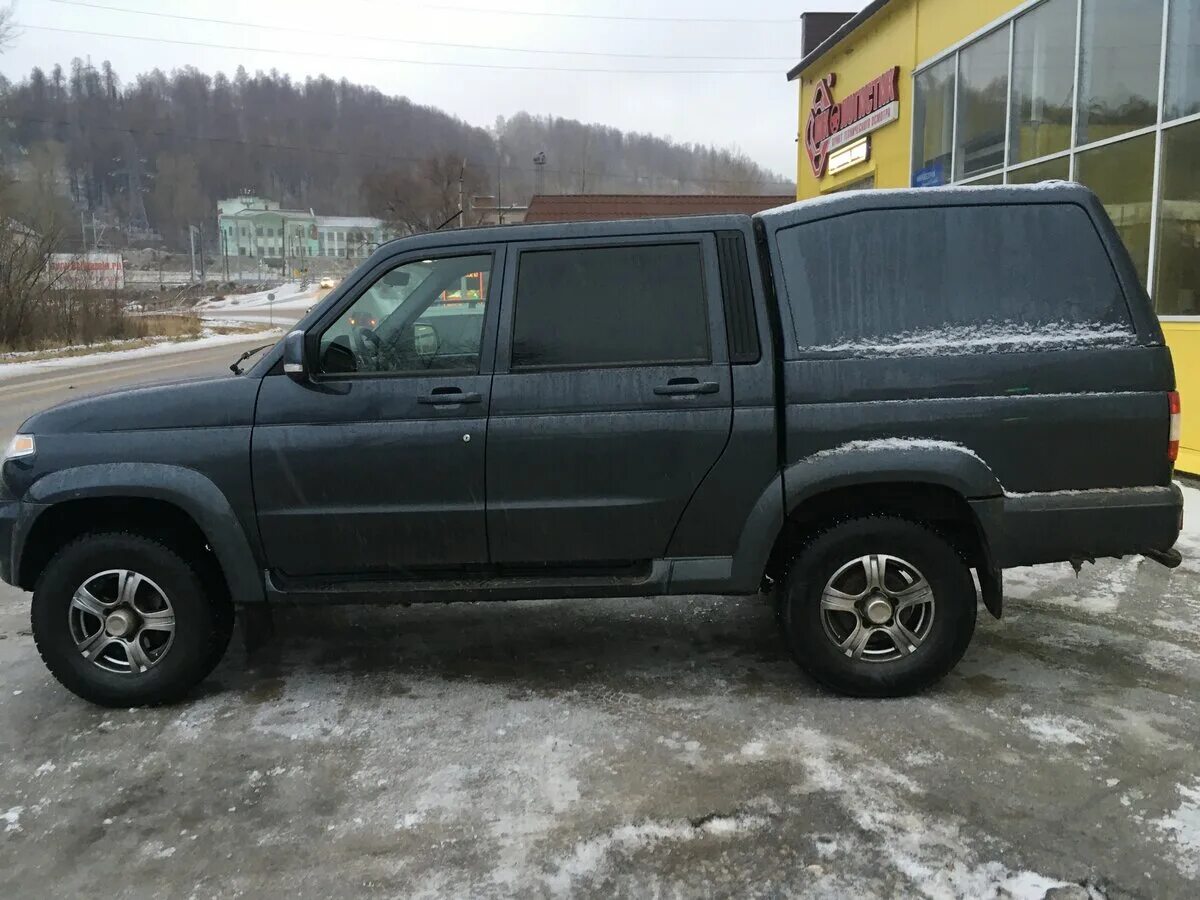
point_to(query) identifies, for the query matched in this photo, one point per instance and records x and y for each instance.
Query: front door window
(422, 316)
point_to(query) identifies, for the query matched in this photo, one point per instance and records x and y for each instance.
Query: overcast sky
(379, 42)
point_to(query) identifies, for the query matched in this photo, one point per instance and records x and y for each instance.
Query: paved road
(24, 396)
(655, 747)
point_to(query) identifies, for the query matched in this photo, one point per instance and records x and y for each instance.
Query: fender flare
(854, 464)
(189, 490)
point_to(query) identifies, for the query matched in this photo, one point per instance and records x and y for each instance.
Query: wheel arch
(931, 482)
(127, 495)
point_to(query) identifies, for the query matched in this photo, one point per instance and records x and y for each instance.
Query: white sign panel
(865, 126)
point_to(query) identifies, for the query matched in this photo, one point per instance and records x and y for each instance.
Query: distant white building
(256, 226)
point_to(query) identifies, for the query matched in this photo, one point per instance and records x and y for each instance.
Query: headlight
(20, 445)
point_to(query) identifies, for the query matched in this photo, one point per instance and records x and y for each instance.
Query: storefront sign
(850, 155)
(932, 175)
(832, 125)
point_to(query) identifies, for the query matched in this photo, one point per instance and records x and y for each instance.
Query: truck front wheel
(124, 620)
(878, 607)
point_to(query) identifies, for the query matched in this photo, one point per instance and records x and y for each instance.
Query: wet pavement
(659, 747)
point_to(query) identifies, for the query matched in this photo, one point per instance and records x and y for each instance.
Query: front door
(612, 398)
(375, 463)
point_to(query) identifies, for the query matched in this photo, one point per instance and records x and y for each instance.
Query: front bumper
(1029, 529)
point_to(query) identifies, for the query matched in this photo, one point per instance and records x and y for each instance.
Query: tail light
(1176, 430)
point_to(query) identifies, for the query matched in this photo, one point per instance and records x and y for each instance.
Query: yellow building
(922, 93)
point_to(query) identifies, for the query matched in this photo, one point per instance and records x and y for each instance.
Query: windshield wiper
(236, 369)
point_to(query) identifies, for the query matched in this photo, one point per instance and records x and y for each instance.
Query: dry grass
(151, 329)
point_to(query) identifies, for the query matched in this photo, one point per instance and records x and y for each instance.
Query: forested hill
(182, 141)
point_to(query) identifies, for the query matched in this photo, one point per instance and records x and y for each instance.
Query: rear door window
(587, 307)
(952, 280)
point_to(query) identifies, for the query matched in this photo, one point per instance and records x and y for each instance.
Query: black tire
(947, 636)
(203, 620)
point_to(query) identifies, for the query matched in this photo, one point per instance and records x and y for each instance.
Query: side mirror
(294, 365)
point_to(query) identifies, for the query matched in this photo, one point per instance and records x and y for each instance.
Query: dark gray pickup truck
(849, 403)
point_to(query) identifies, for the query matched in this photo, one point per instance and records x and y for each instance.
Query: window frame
(718, 353)
(356, 289)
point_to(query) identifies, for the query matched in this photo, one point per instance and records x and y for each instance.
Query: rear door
(612, 397)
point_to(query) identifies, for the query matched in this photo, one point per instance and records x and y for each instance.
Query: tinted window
(606, 306)
(958, 279)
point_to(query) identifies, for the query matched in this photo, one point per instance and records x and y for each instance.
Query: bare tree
(8, 30)
(423, 198)
(25, 279)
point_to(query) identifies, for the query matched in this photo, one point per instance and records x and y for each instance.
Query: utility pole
(462, 213)
(203, 272)
(539, 172)
(192, 245)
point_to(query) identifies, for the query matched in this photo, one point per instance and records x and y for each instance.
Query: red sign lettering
(826, 118)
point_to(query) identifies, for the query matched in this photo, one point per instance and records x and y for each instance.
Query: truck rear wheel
(878, 607)
(123, 620)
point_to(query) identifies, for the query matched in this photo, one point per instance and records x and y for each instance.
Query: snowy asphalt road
(661, 747)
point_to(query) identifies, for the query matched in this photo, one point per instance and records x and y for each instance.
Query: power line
(561, 15)
(393, 61)
(393, 40)
(388, 157)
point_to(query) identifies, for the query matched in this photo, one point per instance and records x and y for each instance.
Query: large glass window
(1183, 60)
(1122, 175)
(1119, 67)
(1177, 287)
(951, 279)
(418, 317)
(1043, 80)
(1052, 170)
(610, 306)
(933, 127)
(982, 105)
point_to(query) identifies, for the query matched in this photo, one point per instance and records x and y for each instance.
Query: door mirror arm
(295, 363)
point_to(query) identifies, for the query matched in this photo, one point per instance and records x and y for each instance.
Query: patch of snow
(12, 818)
(1167, 657)
(892, 443)
(840, 197)
(157, 850)
(45, 769)
(590, 856)
(289, 293)
(826, 847)
(1140, 489)
(1183, 826)
(410, 820)
(985, 337)
(17, 369)
(931, 852)
(1060, 730)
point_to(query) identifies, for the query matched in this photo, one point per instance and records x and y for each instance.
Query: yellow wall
(1184, 340)
(905, 33)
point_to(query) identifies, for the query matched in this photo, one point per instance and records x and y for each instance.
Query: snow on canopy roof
(951, 195)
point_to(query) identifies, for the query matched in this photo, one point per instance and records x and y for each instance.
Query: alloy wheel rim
(121, 621)
(877, 608)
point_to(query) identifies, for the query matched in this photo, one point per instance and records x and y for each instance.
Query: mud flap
(991, 587)
(257, 626)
